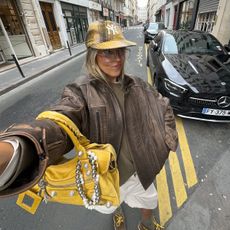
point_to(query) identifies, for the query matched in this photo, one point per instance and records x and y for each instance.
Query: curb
(21, 82)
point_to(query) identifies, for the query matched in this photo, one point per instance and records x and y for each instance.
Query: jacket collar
(128, 81)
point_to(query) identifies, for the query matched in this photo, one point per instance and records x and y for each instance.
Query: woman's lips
(116, 66)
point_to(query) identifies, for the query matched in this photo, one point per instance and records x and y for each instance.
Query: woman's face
(111, 62)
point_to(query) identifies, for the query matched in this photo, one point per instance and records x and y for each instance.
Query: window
(153, 26)
(206, 21)
(197, 43)
(170, 46)
(167, 17)
(10, 18)
(186, 10)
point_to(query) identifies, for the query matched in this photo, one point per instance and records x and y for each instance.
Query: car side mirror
(227, 48)
(154, 46)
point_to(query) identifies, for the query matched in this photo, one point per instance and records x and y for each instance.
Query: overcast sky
(142, 3)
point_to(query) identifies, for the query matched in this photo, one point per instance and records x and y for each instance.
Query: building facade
(221, 29)
(205, 15)
(33, 28)
(130, 13)
(142, 14)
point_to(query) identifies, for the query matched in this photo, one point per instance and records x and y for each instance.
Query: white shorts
(134, 195)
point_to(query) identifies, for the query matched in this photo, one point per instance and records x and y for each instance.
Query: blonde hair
(92, 66)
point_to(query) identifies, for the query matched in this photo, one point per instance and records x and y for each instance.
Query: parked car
(145, 26)
(151, 29)
(192, 69)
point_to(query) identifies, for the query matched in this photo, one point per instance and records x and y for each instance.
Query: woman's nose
(117, 55)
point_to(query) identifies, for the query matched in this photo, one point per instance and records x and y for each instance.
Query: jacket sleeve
(45, 138)
(171, 137)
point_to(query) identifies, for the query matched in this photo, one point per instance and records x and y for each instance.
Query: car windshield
(153, 26)
(191, 43)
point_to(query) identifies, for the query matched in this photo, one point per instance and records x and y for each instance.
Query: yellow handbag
(91, 178)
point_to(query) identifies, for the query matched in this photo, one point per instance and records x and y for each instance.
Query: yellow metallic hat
(106, 35)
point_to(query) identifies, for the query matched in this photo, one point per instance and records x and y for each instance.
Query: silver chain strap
(89, 203)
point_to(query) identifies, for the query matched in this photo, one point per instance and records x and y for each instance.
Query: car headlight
(174, 89)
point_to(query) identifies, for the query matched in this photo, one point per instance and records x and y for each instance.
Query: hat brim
(113, 44)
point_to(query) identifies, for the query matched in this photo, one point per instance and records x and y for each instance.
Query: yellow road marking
(146, 50)
(178, 182)
(189, 168)
(148, 70)
(149, 76)
(164, 205)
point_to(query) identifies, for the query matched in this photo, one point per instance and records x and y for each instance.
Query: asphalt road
(207, 144)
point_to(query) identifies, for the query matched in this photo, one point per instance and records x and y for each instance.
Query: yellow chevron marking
(178, 182)
(164, 205)
(189, 168)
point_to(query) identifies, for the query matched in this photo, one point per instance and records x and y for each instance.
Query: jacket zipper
(122, 118)
(156, 160)
(98, 127)
(125, 127)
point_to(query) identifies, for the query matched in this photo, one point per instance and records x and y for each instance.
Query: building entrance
(47, 11)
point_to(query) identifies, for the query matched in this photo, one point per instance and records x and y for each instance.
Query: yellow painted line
(164, 205)
(146, 49)
(148, 70)
(189, 168)
(149, 76)
(178, 182)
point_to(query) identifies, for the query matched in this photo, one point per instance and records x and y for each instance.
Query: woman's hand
(6, 152)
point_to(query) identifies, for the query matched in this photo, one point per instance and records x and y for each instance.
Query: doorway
(47, 12)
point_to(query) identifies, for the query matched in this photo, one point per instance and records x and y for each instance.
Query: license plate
(216, 112)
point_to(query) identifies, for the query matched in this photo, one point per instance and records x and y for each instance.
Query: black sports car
(192, 69)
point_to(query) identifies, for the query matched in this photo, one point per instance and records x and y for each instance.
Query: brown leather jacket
(92, 105)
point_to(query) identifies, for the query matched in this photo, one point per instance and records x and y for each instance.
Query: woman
(108, 106)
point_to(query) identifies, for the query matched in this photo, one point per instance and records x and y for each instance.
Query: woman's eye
(108, 52)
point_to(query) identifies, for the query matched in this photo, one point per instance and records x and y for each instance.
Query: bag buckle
(36, 200)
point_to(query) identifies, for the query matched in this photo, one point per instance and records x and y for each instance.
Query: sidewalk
(12, 78)
(208, 208)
